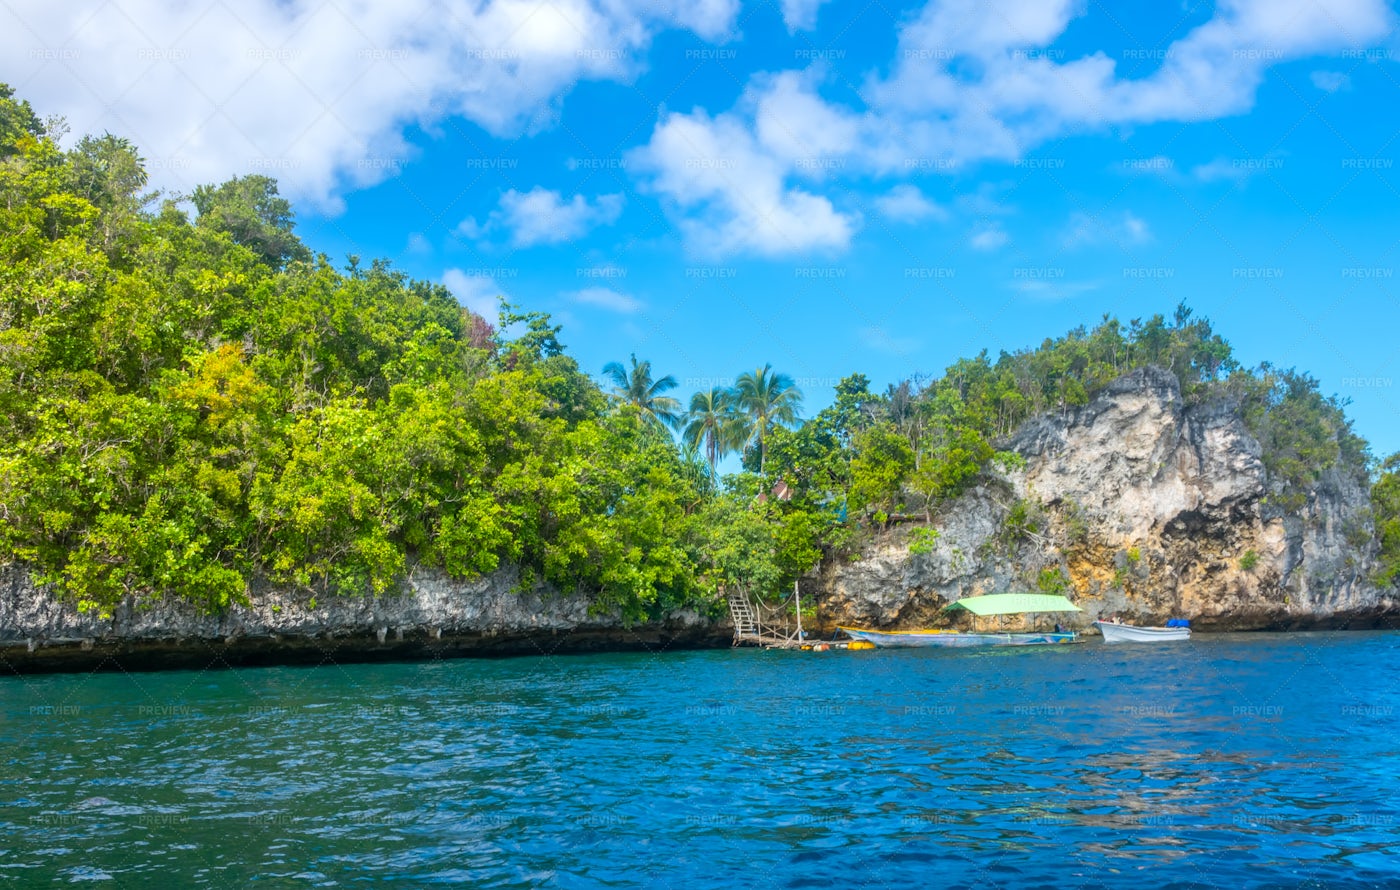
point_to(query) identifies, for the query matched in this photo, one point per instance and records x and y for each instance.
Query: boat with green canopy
(980, 606)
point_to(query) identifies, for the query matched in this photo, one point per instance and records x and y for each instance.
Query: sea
(1229, 761)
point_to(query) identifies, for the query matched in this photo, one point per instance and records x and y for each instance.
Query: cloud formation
(972, 81)
(541, 216)
(731, 178)
(606, 298)
(1123, 230)
(801, 15)
(906, 204)
(318, 94)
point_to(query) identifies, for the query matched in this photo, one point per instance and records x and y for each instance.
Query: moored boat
(905, 639)
(993, 604)
(1128, 633)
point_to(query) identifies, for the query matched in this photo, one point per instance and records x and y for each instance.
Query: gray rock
(1149, 505)
(432, 615)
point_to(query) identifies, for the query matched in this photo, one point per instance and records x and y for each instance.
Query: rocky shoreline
(1137, 504)
(433, 617)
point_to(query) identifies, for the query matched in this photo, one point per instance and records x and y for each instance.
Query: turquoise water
(1230, 761)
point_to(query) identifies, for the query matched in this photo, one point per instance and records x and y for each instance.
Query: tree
(249, 209)
(904, 409)
(767, 398)
(1385, 505)
(110, 174)
(711, 424)
(879, 470)
(761, 546)
(17, 122)
(637, 388)
(854, 408)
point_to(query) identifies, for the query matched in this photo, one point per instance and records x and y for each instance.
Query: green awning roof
(1014, 604)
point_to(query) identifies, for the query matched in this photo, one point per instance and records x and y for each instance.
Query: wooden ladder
(742, 614)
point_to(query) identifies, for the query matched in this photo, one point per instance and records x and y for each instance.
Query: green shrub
(1052, 581)
(923, 540)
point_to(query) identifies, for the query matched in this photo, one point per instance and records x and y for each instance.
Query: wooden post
(797, 596)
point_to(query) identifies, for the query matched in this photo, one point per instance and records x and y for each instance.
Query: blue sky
(827, 186)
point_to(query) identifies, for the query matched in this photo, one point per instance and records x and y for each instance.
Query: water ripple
(1231, 761)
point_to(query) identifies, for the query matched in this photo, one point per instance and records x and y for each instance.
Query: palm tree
(636, 387)
(767, 398)
(712, 424)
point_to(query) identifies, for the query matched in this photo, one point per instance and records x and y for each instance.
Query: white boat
(1128, 633)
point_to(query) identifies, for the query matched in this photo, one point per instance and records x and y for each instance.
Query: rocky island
(217, 448)
(1139, 504)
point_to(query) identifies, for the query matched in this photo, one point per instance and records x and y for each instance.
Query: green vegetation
(1248, 560)
(190, 406)
(636, 387)
(763, 399)
(1052, 581)
(923, 540)
(1385, 503)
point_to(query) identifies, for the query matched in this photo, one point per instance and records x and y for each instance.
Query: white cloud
(1234, 169)
(1054, 290)
(1331, 81)
(471, 229)
(982, 79)
(1123, 230)
(801, 15)
(988, 238)
(606, 298)
(905, 203)
(1159, 166)
(987, 28)
(880, 340)
(731, 189)
(1135, 229)
(711, 19)
(478, 293)
(795, 125)
(318, 95)
(972, 80)
(1219, 169)
(541, 216)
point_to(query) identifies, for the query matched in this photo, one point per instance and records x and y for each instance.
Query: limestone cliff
(1145, 506)
(433, 616)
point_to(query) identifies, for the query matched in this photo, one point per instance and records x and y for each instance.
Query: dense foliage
(923, 442)
(1385, 501)
(188, 406)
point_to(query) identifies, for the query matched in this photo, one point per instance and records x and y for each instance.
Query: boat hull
(955, 639)
(1127, 633)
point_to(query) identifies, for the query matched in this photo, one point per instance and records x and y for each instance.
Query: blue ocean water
(1230, 761)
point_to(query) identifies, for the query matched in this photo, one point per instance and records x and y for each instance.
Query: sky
(825, 186)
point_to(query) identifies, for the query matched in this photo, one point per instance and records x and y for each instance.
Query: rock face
(1140, 505)
(434, 616)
